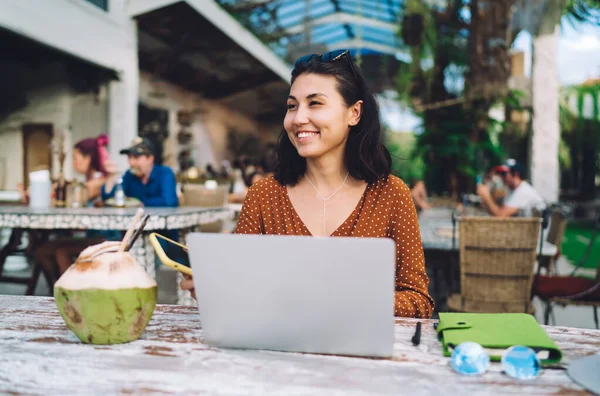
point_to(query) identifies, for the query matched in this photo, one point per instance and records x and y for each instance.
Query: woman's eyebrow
(311, 96)
(314, 95)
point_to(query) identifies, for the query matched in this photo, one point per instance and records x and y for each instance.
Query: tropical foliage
(468, 40)
(457, 140)
(580, 149)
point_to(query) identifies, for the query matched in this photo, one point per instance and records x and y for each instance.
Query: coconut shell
(106, 297)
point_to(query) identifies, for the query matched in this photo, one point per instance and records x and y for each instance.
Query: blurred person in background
(90, 158)
(252, 178)
(154, 185)
(418, 191)
(521, 199)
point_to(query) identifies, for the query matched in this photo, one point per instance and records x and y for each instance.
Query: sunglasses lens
(521, 362)
(305, 59)
(470, 358)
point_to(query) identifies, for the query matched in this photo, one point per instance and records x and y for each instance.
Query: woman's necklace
(325, 199)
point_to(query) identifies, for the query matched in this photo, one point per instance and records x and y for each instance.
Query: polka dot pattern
(386, 210)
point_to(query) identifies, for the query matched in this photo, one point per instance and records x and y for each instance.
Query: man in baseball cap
(139, 146)
(152, 184)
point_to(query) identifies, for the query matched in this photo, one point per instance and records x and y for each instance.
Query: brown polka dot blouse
(385, 210)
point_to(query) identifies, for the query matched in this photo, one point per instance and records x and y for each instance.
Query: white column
(544, 167)
(123, 101)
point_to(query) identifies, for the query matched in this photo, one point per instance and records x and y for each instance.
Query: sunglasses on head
(331, 56)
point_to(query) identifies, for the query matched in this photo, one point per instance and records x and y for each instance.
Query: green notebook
(496, 333)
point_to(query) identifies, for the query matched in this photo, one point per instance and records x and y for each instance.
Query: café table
(39, 355)
(182, 219)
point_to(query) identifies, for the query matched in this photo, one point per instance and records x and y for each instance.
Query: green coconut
(106, 297)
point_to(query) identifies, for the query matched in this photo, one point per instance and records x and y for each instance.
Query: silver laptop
(301, 294)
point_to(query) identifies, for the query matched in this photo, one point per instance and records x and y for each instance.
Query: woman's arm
(250, 220)
(412, 297)
(94, 187)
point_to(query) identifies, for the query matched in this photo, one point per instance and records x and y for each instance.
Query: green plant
(405, 164)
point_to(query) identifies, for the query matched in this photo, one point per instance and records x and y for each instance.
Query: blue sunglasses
(331, 56)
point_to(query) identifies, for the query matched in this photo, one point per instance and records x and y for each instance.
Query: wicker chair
(497, 262)
(200, 196)
(556, 233)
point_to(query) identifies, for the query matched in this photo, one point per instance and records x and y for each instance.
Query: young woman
(89, 158)
(333, 175)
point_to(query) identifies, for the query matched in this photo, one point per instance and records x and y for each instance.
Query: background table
(182, 219)
(39, 355)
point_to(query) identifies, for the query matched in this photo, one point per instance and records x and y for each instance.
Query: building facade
(86, 67)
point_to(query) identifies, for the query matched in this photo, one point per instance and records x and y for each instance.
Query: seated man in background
(154, 185)
(520, 201)
(495, 182)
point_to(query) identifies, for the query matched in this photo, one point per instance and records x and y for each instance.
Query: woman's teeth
(307, 134)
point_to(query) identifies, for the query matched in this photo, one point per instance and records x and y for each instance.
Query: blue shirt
(159, 191)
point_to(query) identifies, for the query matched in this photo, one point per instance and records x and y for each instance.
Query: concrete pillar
(544, 167)
(123, 101)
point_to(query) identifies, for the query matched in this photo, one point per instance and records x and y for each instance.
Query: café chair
(13, 248)
(572, 289)
(200, 196)
(497, 262)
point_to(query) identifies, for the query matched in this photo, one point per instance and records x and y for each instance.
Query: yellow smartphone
(171, 253)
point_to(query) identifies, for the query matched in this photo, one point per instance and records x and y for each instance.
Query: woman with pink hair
(90, 157)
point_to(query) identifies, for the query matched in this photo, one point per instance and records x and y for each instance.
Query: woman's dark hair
(248, 178)
(95, 148)
(366, 156)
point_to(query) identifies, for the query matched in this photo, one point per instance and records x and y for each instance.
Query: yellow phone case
(163, 256)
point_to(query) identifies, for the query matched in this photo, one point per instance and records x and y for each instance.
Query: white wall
(213, 120)
(108, 39)
(89, 115)
(74, 26)
(50, 100)
(47, 105)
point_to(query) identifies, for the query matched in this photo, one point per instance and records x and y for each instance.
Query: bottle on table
(119, 194)
(60, 193)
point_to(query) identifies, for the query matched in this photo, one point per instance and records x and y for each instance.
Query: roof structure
(292, 28)
(197, 45)
(365, 26)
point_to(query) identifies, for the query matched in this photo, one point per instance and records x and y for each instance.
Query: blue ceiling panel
(329, 21)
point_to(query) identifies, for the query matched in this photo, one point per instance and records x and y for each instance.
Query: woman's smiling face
(318, 120)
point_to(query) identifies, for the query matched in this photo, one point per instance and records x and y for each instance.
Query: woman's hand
(188, 284)
(23, 193)
(110, 167)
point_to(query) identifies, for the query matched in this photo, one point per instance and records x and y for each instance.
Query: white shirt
(525, 197)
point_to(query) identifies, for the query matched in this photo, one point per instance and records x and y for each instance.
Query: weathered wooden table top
(39, 355)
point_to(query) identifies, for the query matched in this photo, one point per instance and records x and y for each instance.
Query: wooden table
(39, 355)
(182, 219)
